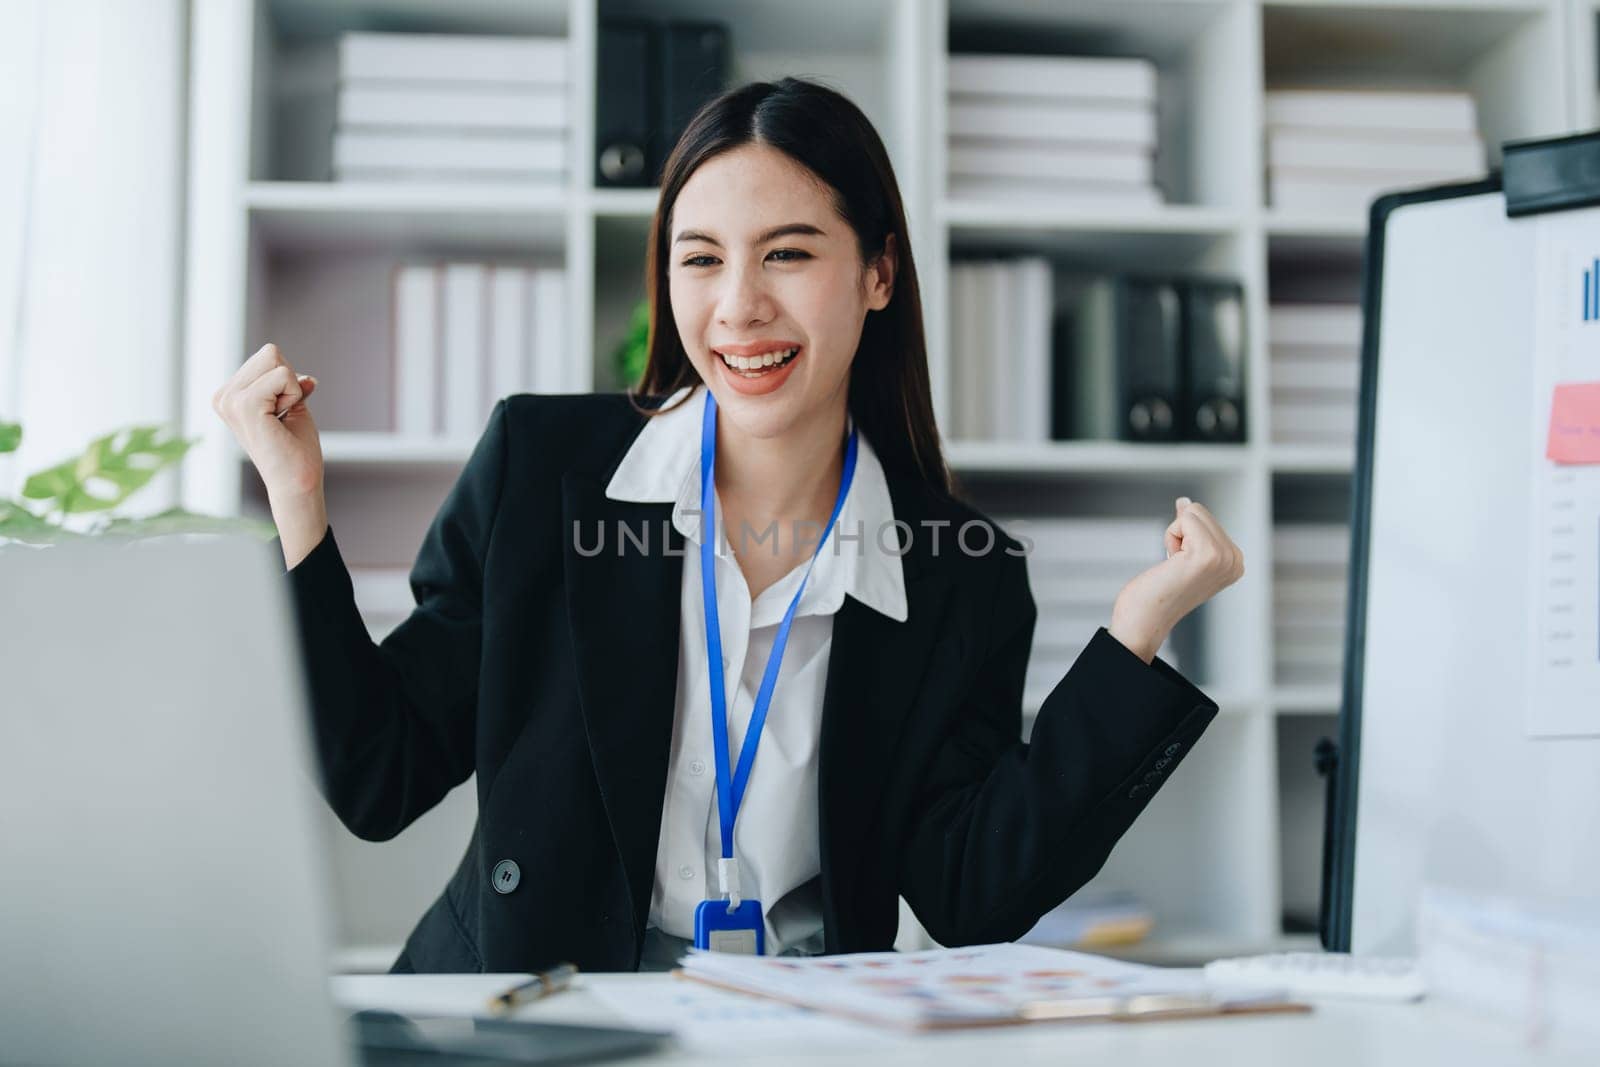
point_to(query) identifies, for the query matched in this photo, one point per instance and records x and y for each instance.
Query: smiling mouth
(758, 366)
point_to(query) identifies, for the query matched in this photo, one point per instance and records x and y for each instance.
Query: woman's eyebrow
(803, 229)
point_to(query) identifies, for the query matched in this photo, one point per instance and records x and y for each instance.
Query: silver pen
(542, 984)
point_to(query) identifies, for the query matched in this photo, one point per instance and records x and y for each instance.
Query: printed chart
(1563, 689)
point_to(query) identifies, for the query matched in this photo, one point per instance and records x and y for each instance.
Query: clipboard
(981, 986)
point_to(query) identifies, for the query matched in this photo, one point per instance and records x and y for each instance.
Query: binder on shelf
(553, 367)
(625, 115)
(694, 68)
(416, 343)
(463, 362)
(510, 297)
(653, 76)
(1214, 358)
(999, 370)
(1032, 281)
(1126, 367)
(969, 354)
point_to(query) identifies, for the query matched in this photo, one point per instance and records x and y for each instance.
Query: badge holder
(731, 925)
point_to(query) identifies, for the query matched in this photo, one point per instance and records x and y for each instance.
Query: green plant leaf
(633, 351)
(111, 469)
(179, 521)
(17, 523)
(10, 436)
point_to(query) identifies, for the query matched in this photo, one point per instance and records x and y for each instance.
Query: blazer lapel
(623, 607)
(875, 670)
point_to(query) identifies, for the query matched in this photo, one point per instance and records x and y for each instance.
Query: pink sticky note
(1575, 424)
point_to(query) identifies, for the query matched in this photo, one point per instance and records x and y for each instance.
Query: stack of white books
(1332, 152)
(1315, 372)
(467, 334)
(1310, 579)
(1000, 328)
(1076, 568)
(430, 107)
(1064, 127)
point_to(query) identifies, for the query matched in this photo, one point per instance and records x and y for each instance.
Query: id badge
(740, 930)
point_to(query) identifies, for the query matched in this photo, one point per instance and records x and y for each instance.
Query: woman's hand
(264, 405)
(1201, 562)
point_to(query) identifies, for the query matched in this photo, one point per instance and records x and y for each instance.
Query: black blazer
(552, 674)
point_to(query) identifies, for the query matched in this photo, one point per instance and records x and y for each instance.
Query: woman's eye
(784, 255)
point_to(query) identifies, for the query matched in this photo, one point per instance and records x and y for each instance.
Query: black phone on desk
(389, 1039)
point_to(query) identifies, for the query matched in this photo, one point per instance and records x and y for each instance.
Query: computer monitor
(162, 895)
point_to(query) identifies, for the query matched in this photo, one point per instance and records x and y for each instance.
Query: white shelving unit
(1222, 851)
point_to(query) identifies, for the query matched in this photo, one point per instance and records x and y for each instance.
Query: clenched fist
(264, 404)
(1201, 562)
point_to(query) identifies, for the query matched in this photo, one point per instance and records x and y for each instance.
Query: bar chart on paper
(1563, 696)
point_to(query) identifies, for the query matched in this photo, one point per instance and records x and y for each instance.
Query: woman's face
(761, 266)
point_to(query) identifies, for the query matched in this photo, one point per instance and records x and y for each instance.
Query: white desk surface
(1336, 1033)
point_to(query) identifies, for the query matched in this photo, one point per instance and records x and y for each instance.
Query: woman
(602, 666)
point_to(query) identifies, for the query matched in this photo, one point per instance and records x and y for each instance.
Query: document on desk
(1564, 455)
(980, 985)
(704, 1019)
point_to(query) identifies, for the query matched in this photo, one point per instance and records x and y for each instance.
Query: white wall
(88, 300)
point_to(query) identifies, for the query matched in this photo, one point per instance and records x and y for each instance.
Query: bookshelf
(1223, 852)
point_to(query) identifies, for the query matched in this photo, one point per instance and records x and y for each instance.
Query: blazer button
(507, 876)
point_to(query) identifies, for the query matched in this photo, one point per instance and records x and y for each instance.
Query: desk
(1336, 1034)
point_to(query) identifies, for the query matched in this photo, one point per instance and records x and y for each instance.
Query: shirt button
(696, 767)
(507, 875)
(686, 872)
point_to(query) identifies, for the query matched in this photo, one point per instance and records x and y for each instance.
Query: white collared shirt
(776, 836)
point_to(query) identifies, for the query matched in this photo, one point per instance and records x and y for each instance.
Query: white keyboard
(1323, 974)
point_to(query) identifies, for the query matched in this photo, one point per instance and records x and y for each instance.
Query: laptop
(162, 893)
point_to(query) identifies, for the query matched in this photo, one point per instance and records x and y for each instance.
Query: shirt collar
(662, 466)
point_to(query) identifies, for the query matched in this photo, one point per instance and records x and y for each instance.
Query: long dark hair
(827, 134)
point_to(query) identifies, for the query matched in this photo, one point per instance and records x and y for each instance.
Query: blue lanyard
(730, 789)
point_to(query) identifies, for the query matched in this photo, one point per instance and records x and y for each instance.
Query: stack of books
(1066, 127)
(1000, 316)
(467, 334)
(1310, 581)
(1315, 373)
(1333, 152)
(431, 107)
(1076, 568)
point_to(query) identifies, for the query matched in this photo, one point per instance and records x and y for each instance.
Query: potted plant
(79, 497)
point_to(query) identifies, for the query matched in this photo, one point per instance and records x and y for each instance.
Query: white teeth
(761, 362)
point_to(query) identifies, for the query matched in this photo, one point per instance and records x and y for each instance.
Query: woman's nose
(744, 298)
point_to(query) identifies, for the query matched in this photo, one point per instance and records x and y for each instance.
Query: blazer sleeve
(394, 723)
(1009, 830)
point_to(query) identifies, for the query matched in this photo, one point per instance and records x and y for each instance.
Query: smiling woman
(780, 226)
(759, 743)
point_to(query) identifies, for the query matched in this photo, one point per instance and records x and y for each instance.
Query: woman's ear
(880, 275)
